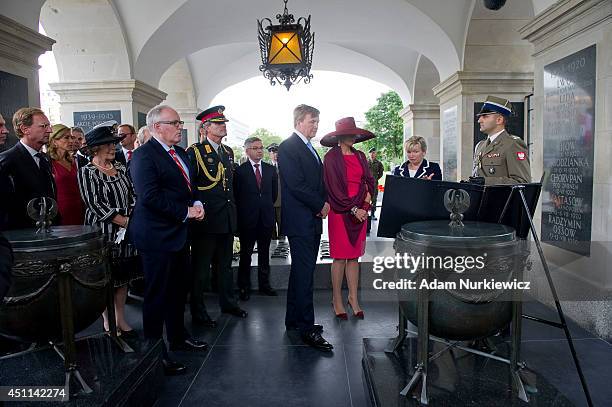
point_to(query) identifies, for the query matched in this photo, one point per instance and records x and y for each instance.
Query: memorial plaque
(514, 126)
(13, 96)
(569, 131)
(142, 120)
(88, 120)
(449, 144)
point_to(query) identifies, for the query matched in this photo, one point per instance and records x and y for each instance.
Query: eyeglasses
(255, 148)
(125, 134)
(175, 123)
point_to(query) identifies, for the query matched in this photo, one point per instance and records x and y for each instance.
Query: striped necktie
(178, 163)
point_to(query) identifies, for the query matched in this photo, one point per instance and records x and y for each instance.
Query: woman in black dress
(108, 195)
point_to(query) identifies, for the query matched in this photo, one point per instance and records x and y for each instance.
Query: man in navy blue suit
(158, 228)
(255, 189)
(303, 208)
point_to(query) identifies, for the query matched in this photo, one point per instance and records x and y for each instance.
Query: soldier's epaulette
(194, 145)
(519, 140)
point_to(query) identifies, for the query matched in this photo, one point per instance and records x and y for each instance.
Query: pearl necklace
(104, 169)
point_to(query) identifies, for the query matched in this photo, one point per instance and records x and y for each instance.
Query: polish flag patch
(520, 156)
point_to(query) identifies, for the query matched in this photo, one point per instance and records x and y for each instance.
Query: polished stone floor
(255, 362)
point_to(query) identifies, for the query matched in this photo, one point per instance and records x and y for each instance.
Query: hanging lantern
(286, 49)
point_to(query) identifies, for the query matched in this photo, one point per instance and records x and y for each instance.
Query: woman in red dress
(349, 186)
(61, 150)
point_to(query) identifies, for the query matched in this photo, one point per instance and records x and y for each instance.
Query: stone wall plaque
(88, 120)
(514, 126)
(449, 144)
(13, 96)
(569, 131)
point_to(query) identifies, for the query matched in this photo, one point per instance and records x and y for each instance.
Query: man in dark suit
(158, 229)
(213, 239)
(303, 208)
(255, 189)
(25, 171)
(276, 230)
(125, 149)
(3, 131)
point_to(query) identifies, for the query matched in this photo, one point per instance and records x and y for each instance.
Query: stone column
(20, 48)
(423, 120)
(132, 98)
(177, 82)
(563, 29)
(457, 95)
(192, 125)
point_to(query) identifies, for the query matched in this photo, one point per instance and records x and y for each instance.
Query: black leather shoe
(204, 320)
(244, 294)
(237, 312)
(315, 328)
(315, 340)
(172, 368)
(189, 344)
(269, 291)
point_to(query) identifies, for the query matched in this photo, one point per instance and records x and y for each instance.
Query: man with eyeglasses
(158, 228)
(213, 239)
(25, 170)
(256, 189)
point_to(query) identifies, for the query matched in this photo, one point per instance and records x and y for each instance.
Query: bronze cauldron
(31, 310)
(461, 313)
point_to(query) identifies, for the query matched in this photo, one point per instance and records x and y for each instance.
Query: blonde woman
(417, 166)
(64, 170)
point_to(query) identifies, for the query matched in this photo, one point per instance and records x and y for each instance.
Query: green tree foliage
(383, 120)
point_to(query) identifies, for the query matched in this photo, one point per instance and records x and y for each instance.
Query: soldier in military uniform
(500, 158)
(212, 239)
(377, 170)
(276, 231)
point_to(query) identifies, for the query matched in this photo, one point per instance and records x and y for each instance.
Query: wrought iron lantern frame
(286, 73)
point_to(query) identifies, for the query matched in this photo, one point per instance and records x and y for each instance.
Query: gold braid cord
(214, 180)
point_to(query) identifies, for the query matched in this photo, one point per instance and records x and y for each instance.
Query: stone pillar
(565, 28)
(20, 48)
(188, 115)
(132, 98)
(457, 95)
(177, 82)
(423, 120)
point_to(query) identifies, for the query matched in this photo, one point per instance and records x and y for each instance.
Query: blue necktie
(312, 150)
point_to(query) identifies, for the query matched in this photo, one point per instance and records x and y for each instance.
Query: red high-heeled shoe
(343, 315)
(358, 314)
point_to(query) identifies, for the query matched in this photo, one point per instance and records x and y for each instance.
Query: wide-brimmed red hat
(346, 127)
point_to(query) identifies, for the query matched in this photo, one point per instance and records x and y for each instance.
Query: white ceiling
(382, 40)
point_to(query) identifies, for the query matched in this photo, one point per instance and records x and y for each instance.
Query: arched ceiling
(393, 33)
(382, 40)
(240, 62)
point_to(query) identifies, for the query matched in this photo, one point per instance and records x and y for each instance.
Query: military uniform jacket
(212, 184)
(277, 203)
(376, 168)
(504, 161)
